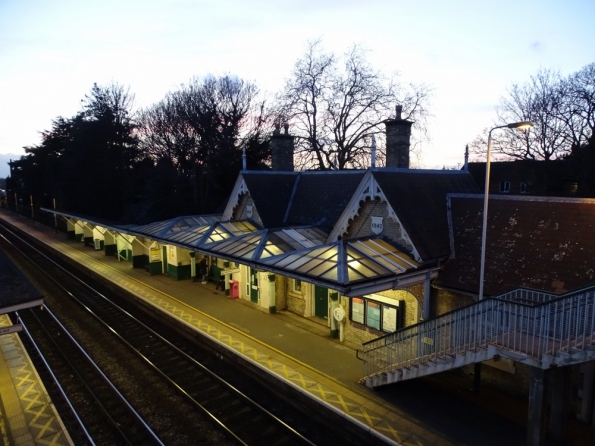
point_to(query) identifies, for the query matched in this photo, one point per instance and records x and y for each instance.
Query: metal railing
(529, 323)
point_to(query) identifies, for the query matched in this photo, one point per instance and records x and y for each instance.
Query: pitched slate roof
(418, 197)
(543, 243)
(321, 197)
(271, 193)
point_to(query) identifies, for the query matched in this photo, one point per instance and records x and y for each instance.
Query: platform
(28, 416)
(301, 352)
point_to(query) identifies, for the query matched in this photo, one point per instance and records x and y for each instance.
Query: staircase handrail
(525, 321)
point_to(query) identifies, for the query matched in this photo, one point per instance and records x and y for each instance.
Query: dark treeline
(182, 155)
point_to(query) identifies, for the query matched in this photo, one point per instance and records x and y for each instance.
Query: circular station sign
(339, 313)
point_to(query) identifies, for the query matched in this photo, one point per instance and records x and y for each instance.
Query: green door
(253, 285)
(321, 302)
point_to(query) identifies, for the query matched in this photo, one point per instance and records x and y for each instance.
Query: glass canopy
(345, 262)
(298, 252)
(176, 225)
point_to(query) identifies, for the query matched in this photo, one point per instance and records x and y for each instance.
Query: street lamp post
(515, 125)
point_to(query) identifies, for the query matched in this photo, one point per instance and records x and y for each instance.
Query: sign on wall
(389, 318)
(357, 310)
(377, 225)
(155, 254)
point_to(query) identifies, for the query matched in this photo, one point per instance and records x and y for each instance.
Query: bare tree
(538, 101)
(201, 128)
(578, 107)
(334, 111)
(165, 134)
(562, 111)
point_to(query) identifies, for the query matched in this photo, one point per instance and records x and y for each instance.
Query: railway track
(115, 421)
(149, 356)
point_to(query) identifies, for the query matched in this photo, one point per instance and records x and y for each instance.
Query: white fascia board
(238, 189)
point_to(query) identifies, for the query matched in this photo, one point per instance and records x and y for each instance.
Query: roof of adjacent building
(543, 243)
(560, 177)
(418, 197)
(16, 292)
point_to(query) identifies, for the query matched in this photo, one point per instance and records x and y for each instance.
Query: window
(297, 285)
(373, 314)
(357, 310)
(505, 187)
(377, 315)
(523, 187)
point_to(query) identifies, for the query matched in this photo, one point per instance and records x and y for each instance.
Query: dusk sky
(469, 52)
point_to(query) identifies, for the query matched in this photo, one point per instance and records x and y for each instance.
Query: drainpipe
(427, 298)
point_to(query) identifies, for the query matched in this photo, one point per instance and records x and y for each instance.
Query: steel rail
(150, 363)
(56, 381)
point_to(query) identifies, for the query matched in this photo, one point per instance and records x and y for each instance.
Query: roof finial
(373, 152)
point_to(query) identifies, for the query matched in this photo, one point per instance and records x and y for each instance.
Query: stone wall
(444, 301)
(281, 292)
(296, 300)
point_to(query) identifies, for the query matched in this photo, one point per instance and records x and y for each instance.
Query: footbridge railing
(538, 328)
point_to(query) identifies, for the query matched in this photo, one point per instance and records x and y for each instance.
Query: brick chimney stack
(398, 134)
(282, 149)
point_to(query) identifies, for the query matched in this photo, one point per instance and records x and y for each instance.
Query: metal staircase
(538, 329)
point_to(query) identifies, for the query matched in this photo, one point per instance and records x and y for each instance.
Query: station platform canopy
(352, 267)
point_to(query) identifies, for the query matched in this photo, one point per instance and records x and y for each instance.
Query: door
(321, 302)
(253, 285)
(164, 260)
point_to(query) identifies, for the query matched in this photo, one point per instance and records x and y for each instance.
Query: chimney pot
(398, 135)
(282, 146)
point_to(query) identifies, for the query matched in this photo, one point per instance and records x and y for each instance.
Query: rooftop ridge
(523, 198)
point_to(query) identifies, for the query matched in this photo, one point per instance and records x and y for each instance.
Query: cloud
(537, 47)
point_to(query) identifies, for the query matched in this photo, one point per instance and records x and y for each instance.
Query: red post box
(234, 289)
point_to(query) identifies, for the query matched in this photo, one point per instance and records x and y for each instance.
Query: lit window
(375, 315)
(505, 187)
(357, 310)
(297, 285)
